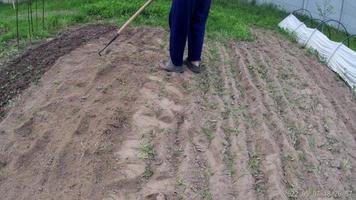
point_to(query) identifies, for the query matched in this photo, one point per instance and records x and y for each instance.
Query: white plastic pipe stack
(339, 57)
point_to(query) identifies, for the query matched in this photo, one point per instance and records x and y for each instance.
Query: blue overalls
(187, 20)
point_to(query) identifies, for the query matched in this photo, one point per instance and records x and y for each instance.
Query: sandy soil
(264, 121)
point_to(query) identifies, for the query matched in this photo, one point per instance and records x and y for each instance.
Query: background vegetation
(229, 19)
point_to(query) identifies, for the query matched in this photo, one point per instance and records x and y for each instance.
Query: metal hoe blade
(111, 41)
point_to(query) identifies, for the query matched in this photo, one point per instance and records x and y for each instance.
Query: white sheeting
(339, 57)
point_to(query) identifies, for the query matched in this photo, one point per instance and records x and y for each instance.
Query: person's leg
(179, 21)
(197, 30)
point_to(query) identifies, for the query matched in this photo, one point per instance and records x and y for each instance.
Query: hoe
(128, 22)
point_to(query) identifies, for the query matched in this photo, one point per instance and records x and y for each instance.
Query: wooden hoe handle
(134, 16)
(126, 24)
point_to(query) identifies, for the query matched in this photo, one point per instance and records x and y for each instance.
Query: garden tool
(128, 22)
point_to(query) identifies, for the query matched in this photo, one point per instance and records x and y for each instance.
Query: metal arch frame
(334, 52)
(338, 47)
(315, 19)
(301, 24)
(318, 21)
(348, 39)
(322, 25)
(309, 15)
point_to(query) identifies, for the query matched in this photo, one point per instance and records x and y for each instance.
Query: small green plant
(230, 160)
(231, 130)
(294, 134)
(147, 151)
(254, 163)
(179, 183)
(162, 90)
(227, 112)
(113, 196)
(147, 173)
(263, 71)
(178, 152)
(104, 148)
(311, 141)
(206, 194)
(302, 157)
(331, 144)
(212, 105)
(250, 68)
(292, 193)
(345, 165)
(208, 133)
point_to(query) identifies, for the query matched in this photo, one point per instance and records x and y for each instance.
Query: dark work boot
(170, 67)
(194, 68)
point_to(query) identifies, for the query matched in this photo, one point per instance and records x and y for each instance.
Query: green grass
(229, 19)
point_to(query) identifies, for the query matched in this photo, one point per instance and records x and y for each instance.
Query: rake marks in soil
(261, 122)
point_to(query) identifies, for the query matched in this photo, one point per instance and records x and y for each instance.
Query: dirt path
(264, 121)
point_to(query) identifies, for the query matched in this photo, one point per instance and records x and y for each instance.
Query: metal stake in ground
(28, 20)
(31, 17)
(117, 34)
(43, 12)
(17, 25)
(36, 6)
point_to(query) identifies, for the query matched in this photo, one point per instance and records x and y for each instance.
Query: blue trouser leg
(187, 20)
(197, 29)
(179, 21)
